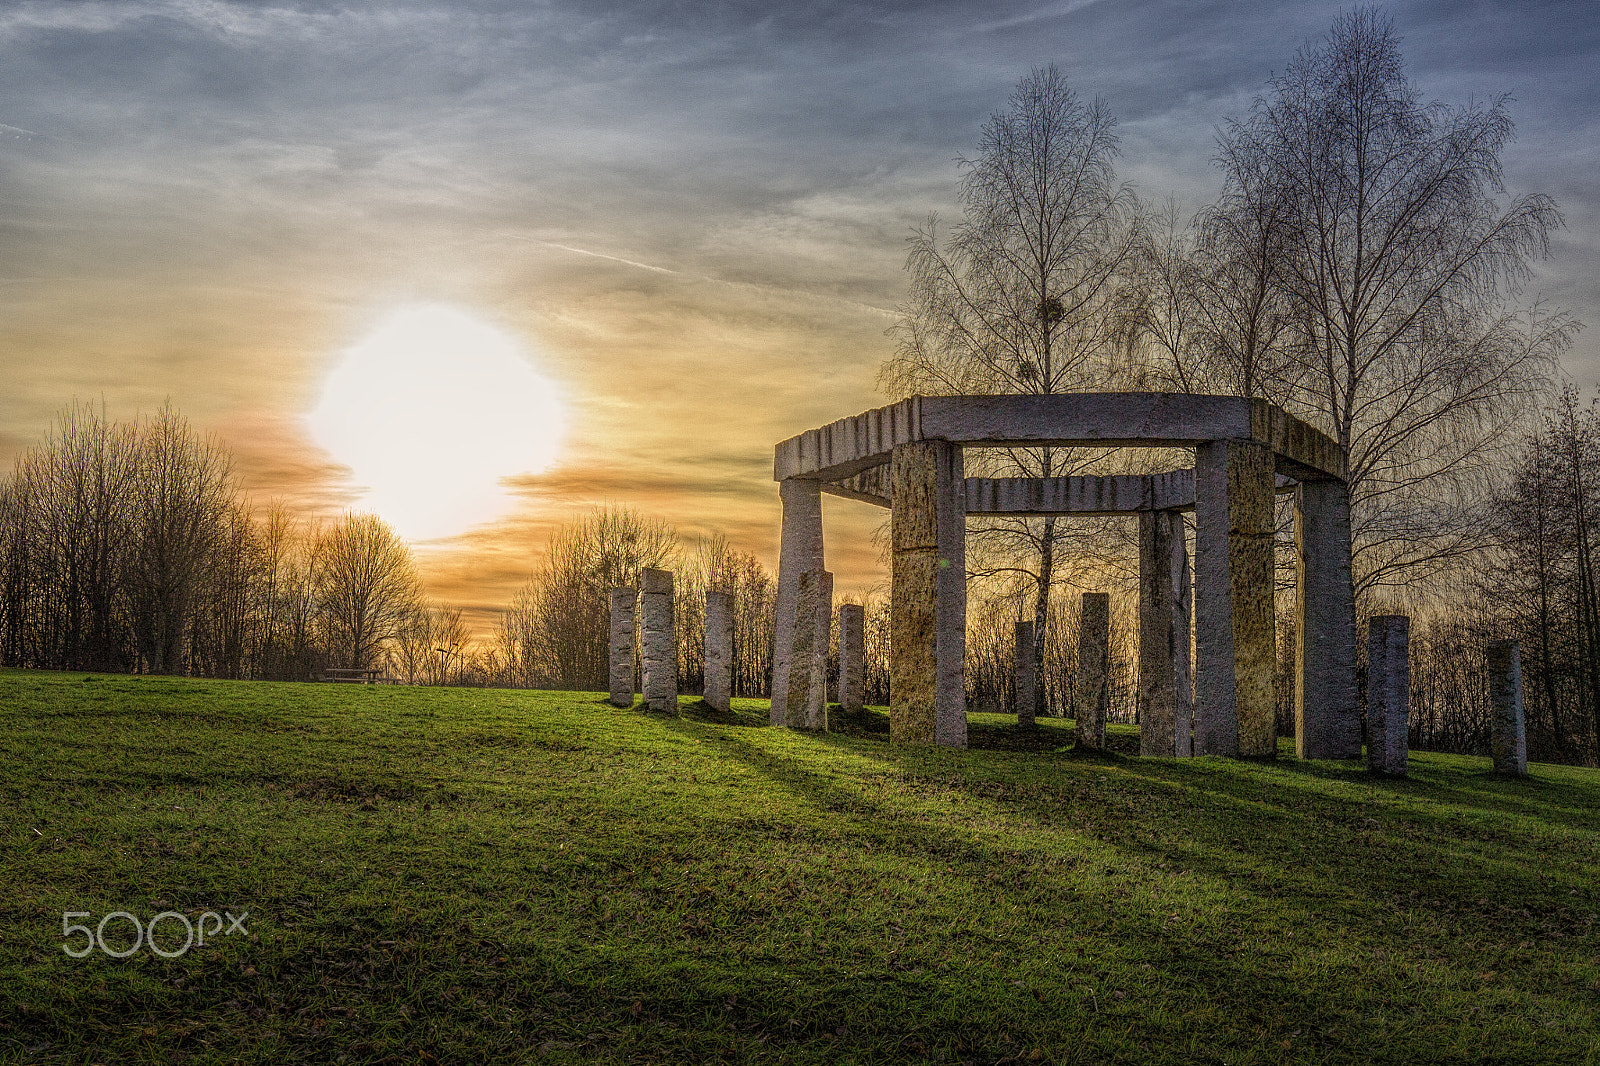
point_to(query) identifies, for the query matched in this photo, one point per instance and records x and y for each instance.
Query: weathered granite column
(807, 693)
(1026, 676)
(852, 656)
(1164, 691)
(1388, 693)
(1327, 721)
(622, 604)
(800, 550)
(1092, 690)
(1509, 742)
(660, 640)
(928, 595)
(1236, 660)
(718, 691)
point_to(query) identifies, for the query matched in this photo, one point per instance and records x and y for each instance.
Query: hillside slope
(486, 875)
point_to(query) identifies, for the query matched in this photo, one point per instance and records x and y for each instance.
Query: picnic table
(359, 677)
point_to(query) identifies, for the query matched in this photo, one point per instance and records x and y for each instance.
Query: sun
(431, 412)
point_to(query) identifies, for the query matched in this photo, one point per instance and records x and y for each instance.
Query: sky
(687, 221)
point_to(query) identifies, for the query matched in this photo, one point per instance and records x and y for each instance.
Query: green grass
(491, 876)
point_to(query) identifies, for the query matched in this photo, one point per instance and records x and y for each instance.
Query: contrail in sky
(602, 255)
(703, 277)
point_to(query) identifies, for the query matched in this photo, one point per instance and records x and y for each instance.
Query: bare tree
(555, 631)
(1380, 221)
(67, 517)
(1022, 296)
(366, 588)
(182, 498)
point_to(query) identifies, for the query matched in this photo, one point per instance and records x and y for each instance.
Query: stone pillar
(1092, 691)
(1327, 721)
(1236, 668)
(807, 693)
(719, 651)
(1388, 693)
(852, 657)
(660, 639)
(622, 604)
(799, 551)
(1509, 742)
(1026, 675)
(928, 595)
(1164, 692)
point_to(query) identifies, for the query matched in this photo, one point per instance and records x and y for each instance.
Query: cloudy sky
(688, 219)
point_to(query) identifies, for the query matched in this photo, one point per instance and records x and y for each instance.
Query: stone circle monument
(908, 457)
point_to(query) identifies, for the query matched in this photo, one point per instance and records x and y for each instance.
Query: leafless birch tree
(1020, 298)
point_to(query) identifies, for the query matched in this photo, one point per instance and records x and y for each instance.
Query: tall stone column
(622, 605)
(1236, 667)
(1026, 676)
(718, 692)
(1509, 743)
(1092, 690)
(1388, 693)
(1163, 635)
(1327, 721)
(799, 551)
(807, 693)
(852, 656)
(660, 639)
(928, 595)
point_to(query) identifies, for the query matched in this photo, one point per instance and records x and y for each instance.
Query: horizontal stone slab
(840, 450)
(1125, 494)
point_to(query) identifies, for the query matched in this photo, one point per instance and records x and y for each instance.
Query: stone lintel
(1302, 450)
(1130, 419)
(1119, 494)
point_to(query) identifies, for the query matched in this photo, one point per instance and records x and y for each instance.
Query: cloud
(694, 214)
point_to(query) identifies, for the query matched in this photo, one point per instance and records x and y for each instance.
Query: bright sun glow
(430, 412)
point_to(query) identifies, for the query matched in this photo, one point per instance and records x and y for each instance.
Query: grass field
(488, 876)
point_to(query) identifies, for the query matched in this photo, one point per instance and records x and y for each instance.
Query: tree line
(128, 547)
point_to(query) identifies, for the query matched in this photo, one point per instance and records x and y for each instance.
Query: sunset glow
(430, 413)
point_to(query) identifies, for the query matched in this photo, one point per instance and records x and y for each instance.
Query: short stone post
(799, 551)
(1092, 693)
(1510, 742)
(1388, 693)
(852, 657)
(660, 640)
(1164, 691)
(1236, 649)
(807, 691)
(718, 690)
(1025, 672)
(927, 595)
(622, 605)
